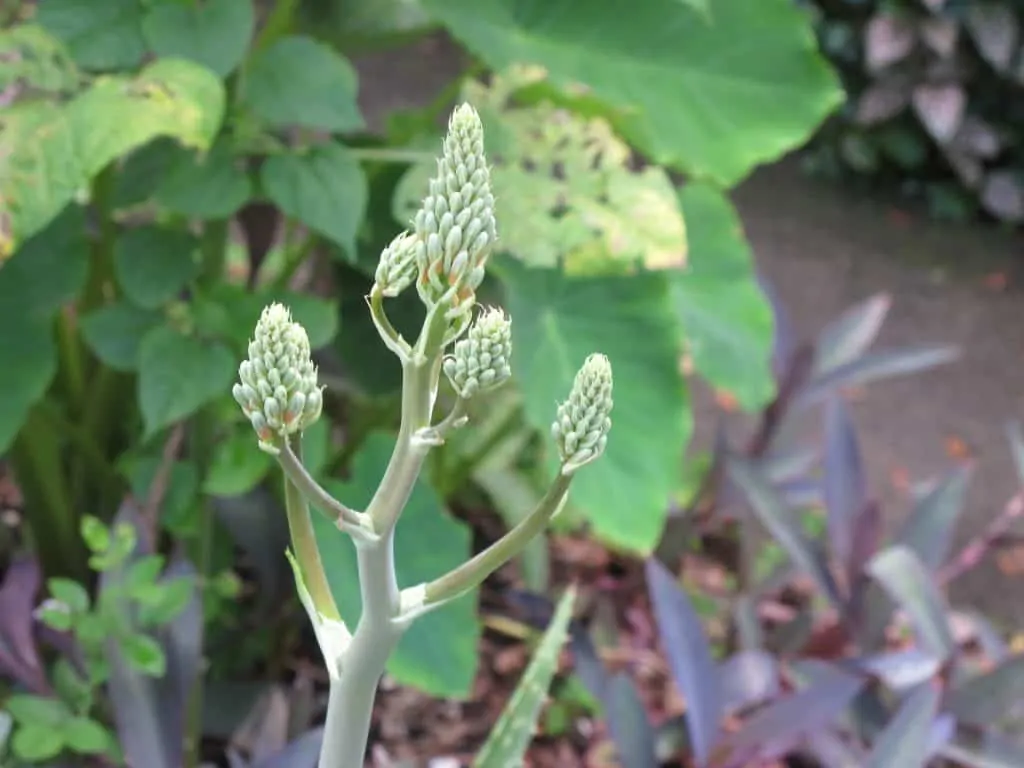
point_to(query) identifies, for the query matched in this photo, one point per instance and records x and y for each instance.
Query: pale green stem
(392, 338)
(307, 554)
(351, 698)
(346, 519)
(472, 573)
(419, 387)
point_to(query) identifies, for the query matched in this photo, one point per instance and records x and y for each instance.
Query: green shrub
(935, 93)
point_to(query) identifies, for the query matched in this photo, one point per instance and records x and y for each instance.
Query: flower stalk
(444, 257)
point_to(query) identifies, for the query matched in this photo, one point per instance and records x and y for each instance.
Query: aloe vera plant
(445, 255)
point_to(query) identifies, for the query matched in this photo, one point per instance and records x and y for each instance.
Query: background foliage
(935, 91)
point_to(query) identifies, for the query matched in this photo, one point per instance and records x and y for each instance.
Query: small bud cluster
(581, 426)
(480, 361)
(278, 391)
(397, 267)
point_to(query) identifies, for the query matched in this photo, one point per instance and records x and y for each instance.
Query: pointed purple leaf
(303, 752)
(844, 484)
(901, 670)
(987, 698)
(748, 624)
(865, 538)
(149, 714)
(1016, 438)
(984, 750)
(747, 678)
(775, 730)
(789, 465)
(931, 526)
(19, 655)
(849, 336)
(910, 585)
(778, 519)
(833, 751)
(875, 367)
(689, 658)
(630, 728)
(906, 740)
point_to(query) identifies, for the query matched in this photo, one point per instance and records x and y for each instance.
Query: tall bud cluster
(455, 227)
(582, 423)
(278, 389)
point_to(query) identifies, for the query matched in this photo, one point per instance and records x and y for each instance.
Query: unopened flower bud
(397, 267)
(455, 225)
(278, 391)
(582, 423)
(480, 361)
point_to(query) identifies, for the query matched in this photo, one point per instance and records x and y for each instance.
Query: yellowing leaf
(563, 188)
(49, 151)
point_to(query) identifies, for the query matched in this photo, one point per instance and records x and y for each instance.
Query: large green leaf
(178, 374)
(727, 320)
(153, 264)
(298, 81)
(439, 652)
(34, 57)
(48, 152)
(114, 333)
(557, 321)
(47, 271)
(213, 185)
(713, 96)
(214, 33)
(106, 35)
(324, 188)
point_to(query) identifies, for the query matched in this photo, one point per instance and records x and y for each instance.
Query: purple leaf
(909, 584)
(632, 732)
(874, 367)
(848, 337)
(303, 752)
(906, 740)
(747, 678)
(831, 750)
(1013, 434)
(630, 728)
(799, 494)
(689, 657)
(984, 750)
(748, 624)
(844, 478)
(19, 655)
(929, 529)
(149, 713)
(987, 698)
(775, 730)
(865, 540)
(789, 465)
(901, 670)
(778, 519)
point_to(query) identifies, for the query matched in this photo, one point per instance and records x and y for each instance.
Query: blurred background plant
(934, 91)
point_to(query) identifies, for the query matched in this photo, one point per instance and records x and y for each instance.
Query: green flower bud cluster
(455, 226)
(582, 423)
(397, 267)
(278, 391)
(480, 361)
